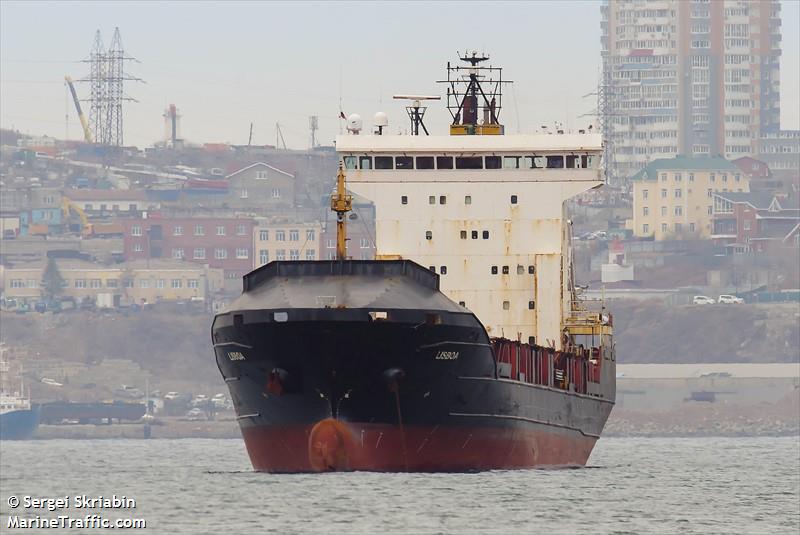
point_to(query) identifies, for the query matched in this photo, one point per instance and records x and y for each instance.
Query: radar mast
(470, 88)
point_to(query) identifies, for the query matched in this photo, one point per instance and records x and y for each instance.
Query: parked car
(730, 299)
(201, 400)
(172, 395)
(195, 415)
(702, 300)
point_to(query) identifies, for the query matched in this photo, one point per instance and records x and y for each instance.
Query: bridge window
(474, 234)
(485, 234)
(531, 270)
(349, 162)
(469, 162)
(383, 162)
(443, 270)
(520, 270)
(468, 199)
(404, 199)
(510, 162)
(513, 199)
(404, 162)
(573, 161)
(555, 162)
(463, 234)
(494, 270)
(534, 162)
(442, 199)
(428, 235)
(365, 162)
(505, 270)
(492, 162)
(506, 305)
(432, 199)
(444, 162)
(424, 162)
(531, 305)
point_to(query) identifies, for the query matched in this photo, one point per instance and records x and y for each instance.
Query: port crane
(87, 134)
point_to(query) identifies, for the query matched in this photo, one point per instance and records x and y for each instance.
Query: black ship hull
(391, 389)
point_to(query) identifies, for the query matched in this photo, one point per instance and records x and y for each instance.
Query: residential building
(221, 242)
(281, 240)
(42, 214)
(261, 185)
(674, 197)
(761, 176)
(693, 77)
(755, 221)
(116, 201)
(131, 282)
(781, 152)
(9, 224)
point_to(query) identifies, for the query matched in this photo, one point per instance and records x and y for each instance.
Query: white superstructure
(486, 212)
(10, 401)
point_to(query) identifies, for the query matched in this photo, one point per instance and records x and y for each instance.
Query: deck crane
(87, 134)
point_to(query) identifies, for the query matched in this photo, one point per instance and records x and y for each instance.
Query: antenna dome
(381, 119)
(354, 123)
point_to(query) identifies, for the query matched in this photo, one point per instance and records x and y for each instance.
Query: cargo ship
(464, 345)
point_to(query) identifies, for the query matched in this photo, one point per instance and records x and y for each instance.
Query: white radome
(381, 119)
(354, 123)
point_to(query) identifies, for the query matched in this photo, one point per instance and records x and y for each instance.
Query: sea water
(194, 486)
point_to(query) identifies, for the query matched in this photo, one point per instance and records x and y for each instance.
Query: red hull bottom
(332, 445)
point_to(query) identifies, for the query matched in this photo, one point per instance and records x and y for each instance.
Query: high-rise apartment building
(688, 77)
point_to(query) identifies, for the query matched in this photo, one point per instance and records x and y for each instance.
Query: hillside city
(698, 223)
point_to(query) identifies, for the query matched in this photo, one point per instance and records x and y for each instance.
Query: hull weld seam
(454, 343)
(524, 419)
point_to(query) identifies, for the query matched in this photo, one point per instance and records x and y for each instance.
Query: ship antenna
(341, 203)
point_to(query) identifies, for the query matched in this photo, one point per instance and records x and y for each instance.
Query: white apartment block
(689, 77)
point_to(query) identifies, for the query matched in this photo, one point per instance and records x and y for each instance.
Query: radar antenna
(465, 85)
(416, 112)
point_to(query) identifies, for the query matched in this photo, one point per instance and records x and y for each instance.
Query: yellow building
(275, 240)
(673, 198)
(139, 281)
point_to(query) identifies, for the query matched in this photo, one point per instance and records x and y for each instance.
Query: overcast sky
(226, 65)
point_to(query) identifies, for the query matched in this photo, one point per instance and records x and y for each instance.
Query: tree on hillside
(52, 281)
